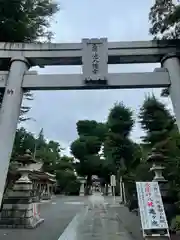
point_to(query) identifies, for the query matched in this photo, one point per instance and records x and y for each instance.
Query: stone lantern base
(19, 211)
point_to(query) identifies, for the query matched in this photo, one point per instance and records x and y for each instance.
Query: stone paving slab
(96, 224)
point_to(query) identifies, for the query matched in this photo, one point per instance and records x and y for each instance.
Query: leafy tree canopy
(26, 20)
(164, 17)
(156, 120)
(120, 120)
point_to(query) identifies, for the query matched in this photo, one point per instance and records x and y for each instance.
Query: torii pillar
(9, 114)
(172, 64)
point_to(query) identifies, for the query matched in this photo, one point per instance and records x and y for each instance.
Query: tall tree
(118, 147)
(25, 21)
(161, 133)
(87, 147)
(66, 177)
(156, 121)
(164, 18)
(117, 144)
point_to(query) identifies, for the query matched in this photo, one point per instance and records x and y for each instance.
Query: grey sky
(57, 112)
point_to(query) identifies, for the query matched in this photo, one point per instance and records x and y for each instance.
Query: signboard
(113, 180)
(95, 61)
(151, 206)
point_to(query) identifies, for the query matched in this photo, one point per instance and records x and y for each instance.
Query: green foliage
(164, 18)
(66, 177)
(175, 224)
(73, 187)
(26, 21)
(120, 120)
(47, 152)
(24, 140)
(87, 146)
(118, 148)
(161, 133)
(106, 169)
(78, 148)
(121, 153)
(156, 121)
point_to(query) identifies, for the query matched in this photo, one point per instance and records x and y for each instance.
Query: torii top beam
(42, 54)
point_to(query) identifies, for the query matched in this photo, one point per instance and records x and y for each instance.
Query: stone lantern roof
(156, 157)
(26, 159)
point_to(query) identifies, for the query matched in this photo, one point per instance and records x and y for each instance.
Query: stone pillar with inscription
(95, 62)
(157, 159)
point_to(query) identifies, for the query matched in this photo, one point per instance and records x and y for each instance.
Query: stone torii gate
(94, 55)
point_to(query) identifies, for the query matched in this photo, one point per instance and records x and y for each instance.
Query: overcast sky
(58, 111)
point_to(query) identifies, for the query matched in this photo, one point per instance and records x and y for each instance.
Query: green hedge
(175, 223)
(72, 188)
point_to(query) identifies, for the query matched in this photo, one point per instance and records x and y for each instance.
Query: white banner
(151, 206)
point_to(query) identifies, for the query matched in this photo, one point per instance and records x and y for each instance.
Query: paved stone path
(96, 224)
(68, 218)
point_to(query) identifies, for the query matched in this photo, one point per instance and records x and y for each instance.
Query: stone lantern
(157, 159)
(19, 210)
(25, 161)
